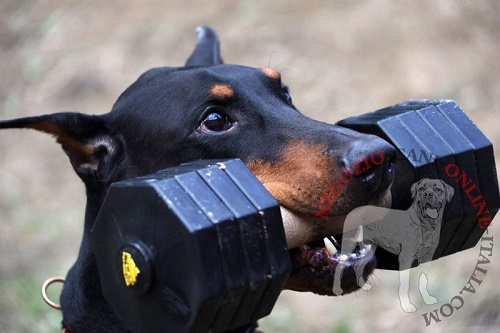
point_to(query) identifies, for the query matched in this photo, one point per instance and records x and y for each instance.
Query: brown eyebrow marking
(222, 91)
(271, 73)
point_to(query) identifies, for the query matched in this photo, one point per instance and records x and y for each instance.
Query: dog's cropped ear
(414, 188)
(92, 150)
(449, 191)
(207, 52)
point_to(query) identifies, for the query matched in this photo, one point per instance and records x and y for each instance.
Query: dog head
(430, 197)
(208, 110)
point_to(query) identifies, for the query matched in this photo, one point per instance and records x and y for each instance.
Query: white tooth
(368, 247)
(362, 252)
(330, 248)
(343, 257)
(359, 235)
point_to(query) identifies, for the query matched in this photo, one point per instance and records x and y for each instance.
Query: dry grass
(340, 58)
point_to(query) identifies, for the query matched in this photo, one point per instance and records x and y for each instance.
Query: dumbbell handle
(301, 229)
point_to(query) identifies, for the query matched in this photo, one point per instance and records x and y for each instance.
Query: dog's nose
(370, 163)
(428, 194)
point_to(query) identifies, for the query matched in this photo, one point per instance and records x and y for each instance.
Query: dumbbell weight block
(179, 261)
(210, 239)
(390, 125)
(270, 228)
(230, 246)
(249, 236)
(439, 134)
(474, 154)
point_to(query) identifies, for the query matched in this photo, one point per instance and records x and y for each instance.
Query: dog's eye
(215, 122)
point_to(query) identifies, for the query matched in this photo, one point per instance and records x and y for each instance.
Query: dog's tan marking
(222, 91)
(304, 178)
(292, 179)
(83, 153)
(271, 73)
(62, 137)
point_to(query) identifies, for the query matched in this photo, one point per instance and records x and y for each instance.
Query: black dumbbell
(194, 248)
(436, 139)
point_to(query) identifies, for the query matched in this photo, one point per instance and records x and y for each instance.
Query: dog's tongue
(431, 212)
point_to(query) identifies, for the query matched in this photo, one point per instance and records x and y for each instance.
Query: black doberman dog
(208, 110)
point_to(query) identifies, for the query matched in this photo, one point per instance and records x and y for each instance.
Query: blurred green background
(340, 58)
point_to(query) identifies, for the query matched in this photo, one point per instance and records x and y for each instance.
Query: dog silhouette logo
(411, 234)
